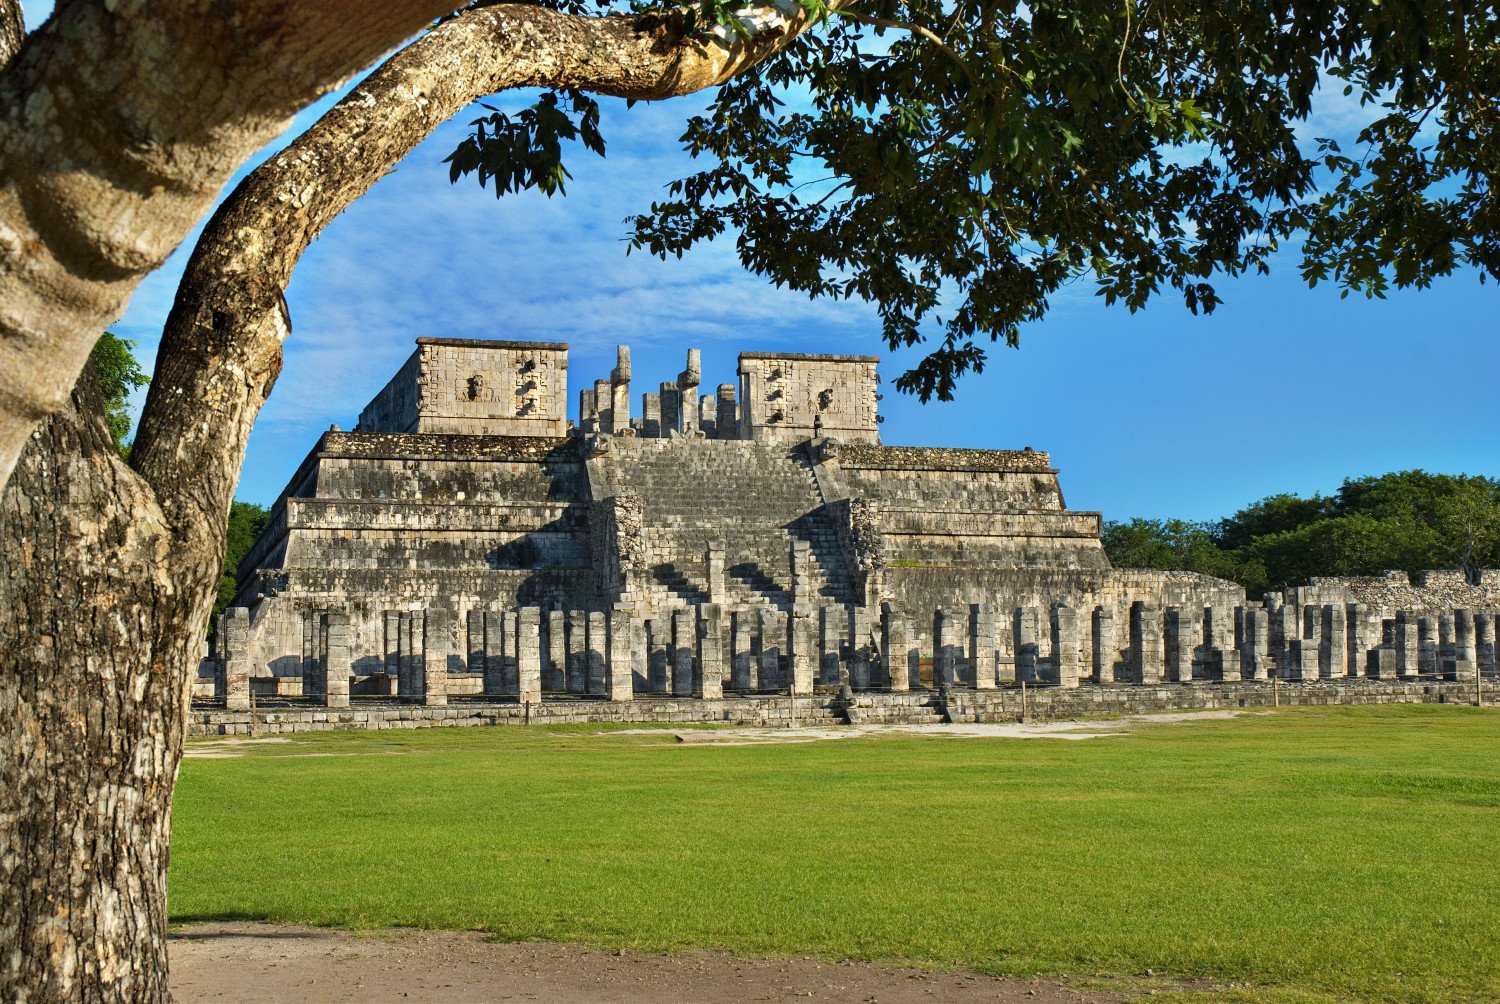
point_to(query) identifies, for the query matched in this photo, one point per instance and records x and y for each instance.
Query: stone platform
(914, 708)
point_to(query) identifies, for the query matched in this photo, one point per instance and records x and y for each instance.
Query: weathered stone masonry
(722, 551)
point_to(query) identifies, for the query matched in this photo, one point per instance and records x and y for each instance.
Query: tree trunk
(107, 574)
(96, 626)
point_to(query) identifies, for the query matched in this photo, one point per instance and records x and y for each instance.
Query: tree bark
(12, 30)
(107, 573)
(118, 128)
(93, 638)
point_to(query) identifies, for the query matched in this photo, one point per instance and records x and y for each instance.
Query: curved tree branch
(119, 126)
(221, 348)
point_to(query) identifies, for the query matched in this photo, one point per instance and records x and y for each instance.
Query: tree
(109, 570)
(1406, 521)
(118, 373)
(982, 155)
(1172, 545)
(246, 521)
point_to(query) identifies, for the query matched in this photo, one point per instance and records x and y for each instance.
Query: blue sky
(1155, 414)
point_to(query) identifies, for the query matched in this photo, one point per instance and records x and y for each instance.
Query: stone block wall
(1430, 592)
(791, 397)
(474, 387)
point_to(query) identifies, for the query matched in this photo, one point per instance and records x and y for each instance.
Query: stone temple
(728, 544)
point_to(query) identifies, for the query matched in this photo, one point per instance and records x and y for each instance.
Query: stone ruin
(467, 543)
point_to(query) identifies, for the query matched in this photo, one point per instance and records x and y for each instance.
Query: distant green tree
(1271, 515)
(1407, 520)
(119, 373)
(1460, 514)
(1170, 545)
(246, 521)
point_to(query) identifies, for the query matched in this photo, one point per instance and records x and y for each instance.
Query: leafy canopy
(1408, 521)
(118, 373)
(957, 163)
(246, 521)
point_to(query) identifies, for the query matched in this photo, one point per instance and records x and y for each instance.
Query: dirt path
(240, 962)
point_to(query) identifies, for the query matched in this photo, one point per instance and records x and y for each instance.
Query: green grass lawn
(1313, 854)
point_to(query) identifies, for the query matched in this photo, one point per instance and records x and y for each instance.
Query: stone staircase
(754, 498)
(914, 708)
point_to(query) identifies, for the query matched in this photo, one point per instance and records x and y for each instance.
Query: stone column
(651, 416)
(1184, 629)
(1286, 631)
(1307, 650)
(727, 423)
(577, 658)
(714, 568)
(1221, 654)
(619, 380)
(669, 400)
(491, 660)
(1146, 645)
(595, 680)
(864, 647)
(588, 411)
(801, 562)
(799, 647)
(1428, 642)
(659, 654)
(684, 642)
(1028, 651)
(982, 646)
(529, 655)
(946, 641)
(602, 401)
(556, 672)
(314, 668)
(1005, 649)
(510, 653)
(620, 678)
(687, 393)
(1255, 662)
(708, 680)
(895, 649)
(1362, 637)
(742, 675)
(1408, 661)
(1484, 642)
(474, 636)
(309, 623)
(1333, 645)
(407, 684)
(772, 641)
(437, 644)
(1106, 646)
(708, 417)
(640, 657)
(1065, 644)
(234, 643)
(338, 660)
(830, 624)
(1224, 656)
(1465, 653)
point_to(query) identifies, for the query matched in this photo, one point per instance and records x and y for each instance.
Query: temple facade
(467, 541)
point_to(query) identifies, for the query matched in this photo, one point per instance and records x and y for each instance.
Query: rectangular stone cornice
(493, 343)
(810, 357)
(927, 458)
(438, 446)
